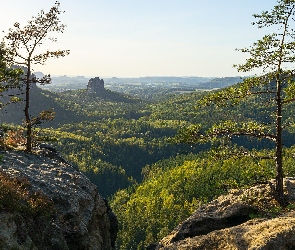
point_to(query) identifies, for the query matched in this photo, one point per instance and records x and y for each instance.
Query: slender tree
(23, 44)
(273, 55)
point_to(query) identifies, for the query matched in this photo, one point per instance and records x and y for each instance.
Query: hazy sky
(131, 38)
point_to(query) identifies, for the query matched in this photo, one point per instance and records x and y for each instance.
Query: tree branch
(259, 136)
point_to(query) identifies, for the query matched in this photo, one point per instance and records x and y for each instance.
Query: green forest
(130, 149)
(160, 151)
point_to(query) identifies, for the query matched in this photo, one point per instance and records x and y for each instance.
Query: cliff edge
(78, 218)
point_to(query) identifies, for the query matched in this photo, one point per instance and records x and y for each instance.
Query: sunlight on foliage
(172, 191)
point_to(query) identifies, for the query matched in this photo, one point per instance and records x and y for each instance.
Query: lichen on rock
(242, 219)
(81, 217)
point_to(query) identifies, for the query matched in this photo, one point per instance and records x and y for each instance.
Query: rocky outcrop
(83, 219)
(95, 85)
(243, 219)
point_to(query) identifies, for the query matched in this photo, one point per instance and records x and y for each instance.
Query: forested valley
(129, 147)
(157, 148)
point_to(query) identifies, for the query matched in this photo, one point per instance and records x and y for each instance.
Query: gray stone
(83, 218)
(225, 223)
(47, 146)
(95, 85)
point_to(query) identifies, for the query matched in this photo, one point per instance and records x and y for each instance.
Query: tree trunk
(279, 147)
(27, 114)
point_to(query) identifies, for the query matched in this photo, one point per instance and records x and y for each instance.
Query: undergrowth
(16, 196)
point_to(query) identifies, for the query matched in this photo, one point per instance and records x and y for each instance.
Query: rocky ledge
(82, 218)
(242, 219)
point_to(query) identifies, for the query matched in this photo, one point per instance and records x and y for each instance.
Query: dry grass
(14, 138)
(15, 196)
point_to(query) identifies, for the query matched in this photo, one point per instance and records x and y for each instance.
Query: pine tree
(22, 46)
(273, 55)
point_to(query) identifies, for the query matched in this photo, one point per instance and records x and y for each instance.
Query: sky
(136, 38)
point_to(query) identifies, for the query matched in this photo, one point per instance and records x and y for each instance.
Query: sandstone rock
(95, 85)
(83, 219)
(225, 223)
(276, 234)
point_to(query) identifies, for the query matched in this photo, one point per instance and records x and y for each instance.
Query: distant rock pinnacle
(95, 85)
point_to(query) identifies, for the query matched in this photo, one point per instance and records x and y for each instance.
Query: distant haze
(132, 38)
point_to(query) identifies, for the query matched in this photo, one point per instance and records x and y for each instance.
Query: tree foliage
(9, 77)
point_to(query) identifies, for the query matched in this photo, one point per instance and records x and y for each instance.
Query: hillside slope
(40, 100)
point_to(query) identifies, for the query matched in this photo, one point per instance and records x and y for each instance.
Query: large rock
(266, 234)
(83, 218)
(95, 85)
(227, 223)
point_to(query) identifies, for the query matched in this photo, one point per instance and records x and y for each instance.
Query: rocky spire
(95, 85)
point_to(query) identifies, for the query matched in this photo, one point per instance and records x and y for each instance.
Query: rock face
(95, 85)
(225, 223)
(83, 218)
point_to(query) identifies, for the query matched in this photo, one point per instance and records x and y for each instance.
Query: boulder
(266, 234)
(82, 220)
(242, 219)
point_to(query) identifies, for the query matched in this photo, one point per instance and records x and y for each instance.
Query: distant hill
(63, 83)
(218, 83)
(40, 100)
(159, 79)
(65, 113)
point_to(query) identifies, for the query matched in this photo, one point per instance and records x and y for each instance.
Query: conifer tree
(23, 49)
(274, 55)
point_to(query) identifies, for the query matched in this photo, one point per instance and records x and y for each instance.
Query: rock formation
(95, 85)
(243, 219)
(83, 219)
